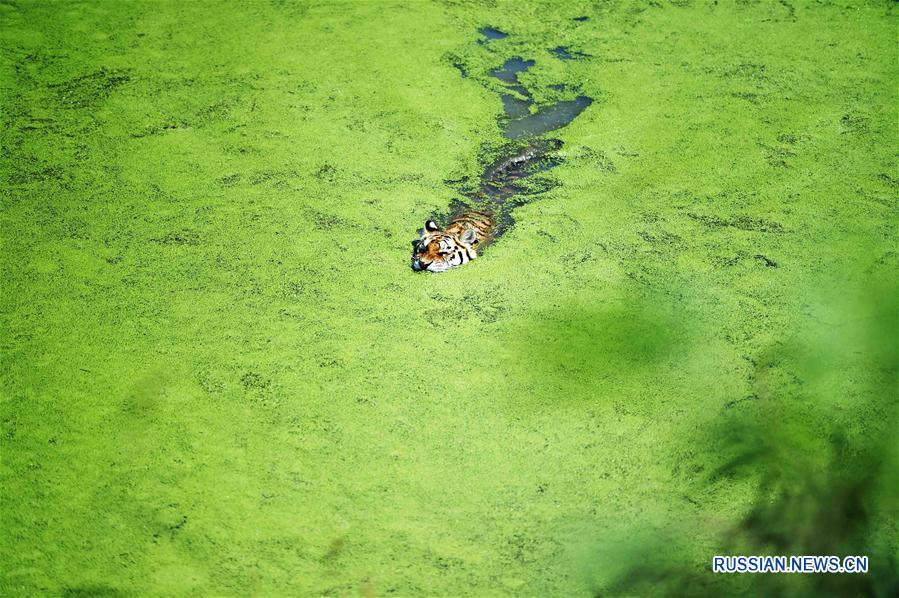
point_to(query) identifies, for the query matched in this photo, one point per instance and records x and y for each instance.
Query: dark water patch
(581, 19)
(515, 107)
(492, 33)
(549, 119)
(500, 178)
(564, 53)
(508, 73)
(525, 159)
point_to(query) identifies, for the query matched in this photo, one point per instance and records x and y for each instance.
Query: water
(500, 176)
(508, 73)
(548, 119)
(521, 121)
(492, 33)
(515, 107)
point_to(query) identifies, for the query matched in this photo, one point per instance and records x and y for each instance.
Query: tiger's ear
(431, 226)
(469, 236)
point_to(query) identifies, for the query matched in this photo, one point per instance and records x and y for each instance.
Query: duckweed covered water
(219, 375)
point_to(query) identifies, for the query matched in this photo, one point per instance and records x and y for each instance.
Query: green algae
(220, 376)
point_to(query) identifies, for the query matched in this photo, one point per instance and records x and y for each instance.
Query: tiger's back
(481, 222)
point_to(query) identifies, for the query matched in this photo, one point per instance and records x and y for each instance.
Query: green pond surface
(220, 376)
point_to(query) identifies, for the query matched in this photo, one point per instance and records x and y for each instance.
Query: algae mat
(220, 375)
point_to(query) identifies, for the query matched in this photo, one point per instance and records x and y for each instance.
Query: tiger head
(438, 251)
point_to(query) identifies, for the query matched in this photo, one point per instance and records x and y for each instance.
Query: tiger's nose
(417, 265)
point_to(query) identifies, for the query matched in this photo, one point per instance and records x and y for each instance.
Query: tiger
(441, 250)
